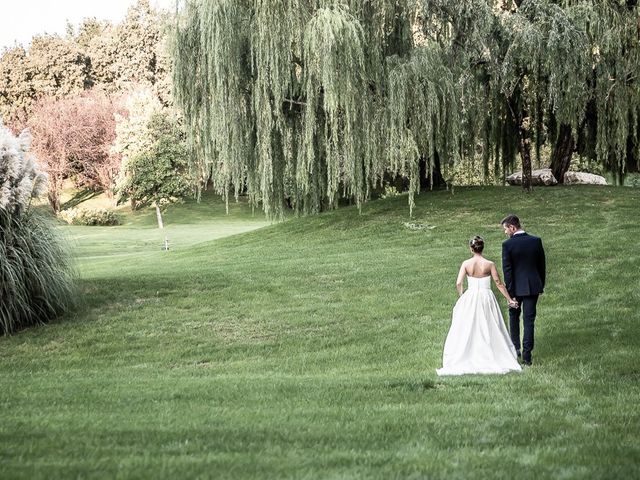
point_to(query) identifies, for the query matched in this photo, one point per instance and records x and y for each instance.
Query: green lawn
(308, 349)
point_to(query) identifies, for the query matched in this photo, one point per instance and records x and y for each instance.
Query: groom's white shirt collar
(518, 232)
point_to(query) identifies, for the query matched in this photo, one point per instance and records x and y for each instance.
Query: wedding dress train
(478, 341)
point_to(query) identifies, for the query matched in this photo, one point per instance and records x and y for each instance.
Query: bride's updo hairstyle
(477, 244)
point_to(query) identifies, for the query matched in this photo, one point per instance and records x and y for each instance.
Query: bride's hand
(513, 304)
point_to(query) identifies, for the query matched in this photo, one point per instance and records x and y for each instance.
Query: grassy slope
(308, 349)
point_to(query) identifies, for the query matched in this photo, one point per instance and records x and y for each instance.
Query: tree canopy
(95, 54)
(157, 174)
(303, 102)
(73, 137)
(68, 88)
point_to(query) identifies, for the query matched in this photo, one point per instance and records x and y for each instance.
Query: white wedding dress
(478, 341)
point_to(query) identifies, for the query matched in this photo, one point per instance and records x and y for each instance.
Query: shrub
(390, 191)
(82, 216)
(632, 180)
(36, 282)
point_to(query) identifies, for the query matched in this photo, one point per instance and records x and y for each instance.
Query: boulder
(583, 178)
(539, 177)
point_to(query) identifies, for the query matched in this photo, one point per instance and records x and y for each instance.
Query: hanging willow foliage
(557, 72)
(423, 114)
(544, 71)
(301, 102)
(336, 90)
(214, 89)
(286, 98)
(615, 35)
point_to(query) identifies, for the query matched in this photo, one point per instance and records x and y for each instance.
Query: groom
(523, 266)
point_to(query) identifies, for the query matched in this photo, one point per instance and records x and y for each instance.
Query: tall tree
(73, 136)
(52, 67)
(97, 53)
(289, 99)
(614, 29)
(353, 89)
(59, 67)
(134, 135)
(158, 175)
(16, 95)
(133, 52)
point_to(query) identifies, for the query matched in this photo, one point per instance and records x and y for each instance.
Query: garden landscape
(234, 253)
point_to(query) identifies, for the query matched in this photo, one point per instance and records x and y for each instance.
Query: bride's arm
(460, 279)
(500, 285)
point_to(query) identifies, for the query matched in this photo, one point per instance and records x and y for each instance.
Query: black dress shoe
(527, 362)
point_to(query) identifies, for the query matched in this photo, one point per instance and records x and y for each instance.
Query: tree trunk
(524, 147)
(428, 179)
(159, 216)
(53, 193)
(54, 200)
(562, 152)
(520, 118)
(617, 170)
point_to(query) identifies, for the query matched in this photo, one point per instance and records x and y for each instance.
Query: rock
(539, 177)
(583, 178)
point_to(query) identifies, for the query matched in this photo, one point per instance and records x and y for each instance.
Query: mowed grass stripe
(308, 349)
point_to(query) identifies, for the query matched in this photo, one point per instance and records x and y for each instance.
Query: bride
(478, 341)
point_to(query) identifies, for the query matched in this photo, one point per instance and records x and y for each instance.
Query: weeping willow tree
(213, 78)
(609, 132)
(585, 79)
(289, 100)
(544, 74)
(299, 103)
(588, 81)
(536, 72)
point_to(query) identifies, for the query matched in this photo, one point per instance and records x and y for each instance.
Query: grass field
(308, 349)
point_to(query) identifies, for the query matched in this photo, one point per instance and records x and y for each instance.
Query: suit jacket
(523, 265)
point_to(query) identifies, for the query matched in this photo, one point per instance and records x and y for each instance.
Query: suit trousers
(526, 304)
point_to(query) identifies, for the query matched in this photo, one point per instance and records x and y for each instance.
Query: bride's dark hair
(477, 244)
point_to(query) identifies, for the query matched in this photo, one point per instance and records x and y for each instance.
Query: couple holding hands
(478, 341)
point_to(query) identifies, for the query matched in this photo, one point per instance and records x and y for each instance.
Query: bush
(82, 216)
(632, 180)
(36, 281)
(390, 191)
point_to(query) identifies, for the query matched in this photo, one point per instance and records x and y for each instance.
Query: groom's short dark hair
(511, 219)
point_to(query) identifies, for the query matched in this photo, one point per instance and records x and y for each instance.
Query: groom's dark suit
(523, 265)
